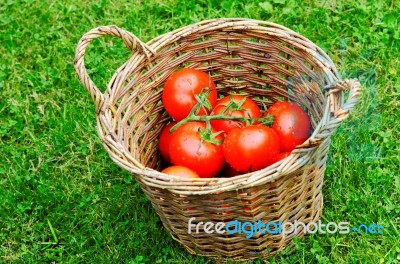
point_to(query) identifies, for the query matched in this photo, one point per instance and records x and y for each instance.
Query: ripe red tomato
(189, 149)
(180, 171)
(164, 141)
(291, 124)
(246, 109)
(282, 155)
(251, 148)
(181, 88)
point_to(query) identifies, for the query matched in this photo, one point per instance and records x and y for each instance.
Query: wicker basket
(265, 60)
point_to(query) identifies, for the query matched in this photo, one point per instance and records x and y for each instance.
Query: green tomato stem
(267, 120)
(202, 101)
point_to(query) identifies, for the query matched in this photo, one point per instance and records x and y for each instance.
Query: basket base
(263, 253)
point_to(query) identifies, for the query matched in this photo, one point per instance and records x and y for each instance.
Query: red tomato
(189, 149)
(164, 140)
(180, 89)
(251, 148)
(291, 124)
(180, 171)
(282, 155)
(249, 109)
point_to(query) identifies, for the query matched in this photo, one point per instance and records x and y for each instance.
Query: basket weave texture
(264, 60)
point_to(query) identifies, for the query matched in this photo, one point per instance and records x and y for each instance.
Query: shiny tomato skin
(250, 110)
(282, 155)
(291, 124)
(251, 148)
(237, 98)
(190, 150)
(277, 107)
(164, 141)
(180, 89)
(180, 171)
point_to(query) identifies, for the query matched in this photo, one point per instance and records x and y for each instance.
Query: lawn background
(63, 200)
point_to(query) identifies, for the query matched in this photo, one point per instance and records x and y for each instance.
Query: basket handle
(130, 41)
(340, 110)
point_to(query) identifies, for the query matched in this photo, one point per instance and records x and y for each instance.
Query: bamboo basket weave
(265, 60)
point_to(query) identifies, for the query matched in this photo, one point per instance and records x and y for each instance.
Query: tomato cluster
(226, 136)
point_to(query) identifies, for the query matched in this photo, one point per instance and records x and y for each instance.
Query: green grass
(62, 199)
